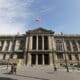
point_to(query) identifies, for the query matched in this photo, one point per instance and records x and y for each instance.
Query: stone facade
(40, 47)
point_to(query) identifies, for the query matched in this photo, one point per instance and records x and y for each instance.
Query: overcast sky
(57, 15)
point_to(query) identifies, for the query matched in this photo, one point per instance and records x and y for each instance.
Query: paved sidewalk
(39, 73)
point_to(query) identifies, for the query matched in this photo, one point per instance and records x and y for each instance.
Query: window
(4, 56)
(34, 42)
(60, 55)
(79, 43)
(68, 45)
(20, 55)
(70, 57)
(59, 45)
(22, 45)
(17, 44)
(46, 42)
(74, 45)
(7, 46)
(39, 42)
(76, 57)
(1, 45)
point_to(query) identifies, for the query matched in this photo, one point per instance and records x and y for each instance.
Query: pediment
(40, 30)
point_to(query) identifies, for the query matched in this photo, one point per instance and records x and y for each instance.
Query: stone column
(43, 59)
(42, 42)
(1, 56)
(79, 56)
(73, 57)
(55, 56)
(26, 50)
(25, 53)
(0, 44)
(7, 56)
(50, 59)
(37, 43)
(4, 45)
(50, 42)
(71, 46)
(77, 44)
(30, 43)
(65, 46)
(66, 56)
(17, 45)
(53, 43)
(36, 59)
(29, 59)
(15, 56)
(10, 46)
(26, 46)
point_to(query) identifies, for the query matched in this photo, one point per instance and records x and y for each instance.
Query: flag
(38, 20)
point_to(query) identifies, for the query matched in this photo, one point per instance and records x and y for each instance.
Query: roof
(40, 30)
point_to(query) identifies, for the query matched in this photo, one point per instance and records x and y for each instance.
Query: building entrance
(46, 59)
(33, 59)
(40, 59)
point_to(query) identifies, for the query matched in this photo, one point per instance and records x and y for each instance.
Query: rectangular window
(20, 55)
(22, 45)
(68, 45)
(74, 45)
(2, 43)
(34, 43)
(59, 45)
(39, 42)
(46, 42)
(76, 57)
(70, 57)
(4, 56)
(60, 55)
(7, 46)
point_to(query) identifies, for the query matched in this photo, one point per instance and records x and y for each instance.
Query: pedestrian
(11, 71)
(55, 69)
(15, 67)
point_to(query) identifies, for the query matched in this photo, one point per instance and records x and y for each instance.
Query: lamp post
(65, 54)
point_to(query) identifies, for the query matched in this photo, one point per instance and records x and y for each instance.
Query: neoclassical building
(40, 47)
